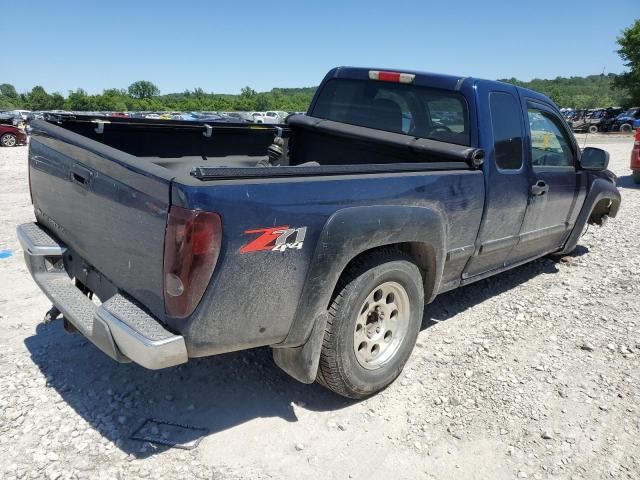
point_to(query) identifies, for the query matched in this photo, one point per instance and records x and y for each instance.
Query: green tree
(78, 101)
(9, 98)
(56, 101)
(39, 99)
(143, 89)
(629, 51)
(593, 91)
(9, 91)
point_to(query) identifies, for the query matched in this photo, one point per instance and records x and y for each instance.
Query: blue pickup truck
(322, 238)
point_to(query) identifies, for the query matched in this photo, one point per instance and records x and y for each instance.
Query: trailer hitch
(54, 312)
(51, 315)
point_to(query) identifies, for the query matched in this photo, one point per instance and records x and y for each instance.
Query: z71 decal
(276, 239)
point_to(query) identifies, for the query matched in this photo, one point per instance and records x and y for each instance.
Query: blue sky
(223, 46)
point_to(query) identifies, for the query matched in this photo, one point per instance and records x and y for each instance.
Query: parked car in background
(259, 117)
(274, 117)
(608, 118)
(624, 121)
(587, 120)
(240, 116)
(635, 155)
(11, 136)
(23, 114)
(6, 118)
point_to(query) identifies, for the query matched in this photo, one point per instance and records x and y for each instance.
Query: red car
(11, 136)
(635, 158)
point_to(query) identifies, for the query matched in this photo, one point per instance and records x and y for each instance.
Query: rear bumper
(119, 327)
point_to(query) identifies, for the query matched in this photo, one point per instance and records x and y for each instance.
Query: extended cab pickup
(322, 238)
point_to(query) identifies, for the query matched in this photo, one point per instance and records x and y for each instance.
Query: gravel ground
(534, 373)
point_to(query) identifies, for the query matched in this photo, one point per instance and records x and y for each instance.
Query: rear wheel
(636, 176)
(373, 324)
(625, 127)
(8, 140)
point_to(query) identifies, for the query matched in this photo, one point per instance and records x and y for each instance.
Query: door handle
(80, 175)
(539, 188)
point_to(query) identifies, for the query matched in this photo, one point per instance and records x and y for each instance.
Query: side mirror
(594, 159)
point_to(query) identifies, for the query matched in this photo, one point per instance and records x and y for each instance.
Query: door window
(506, 122)
(550, 145)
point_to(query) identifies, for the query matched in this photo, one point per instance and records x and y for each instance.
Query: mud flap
(302, 362)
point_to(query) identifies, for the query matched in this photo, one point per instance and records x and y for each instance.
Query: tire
(636, 176)
(373, 324)
(593, 129)
(626, 128)
(8, 140)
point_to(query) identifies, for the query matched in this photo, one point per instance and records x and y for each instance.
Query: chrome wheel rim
(8, 140)
(381, 325)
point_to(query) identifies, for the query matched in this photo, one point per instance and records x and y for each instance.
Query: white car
(275, 117)
(24, 114)
(259, 117)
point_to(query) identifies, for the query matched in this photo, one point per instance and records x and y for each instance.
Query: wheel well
(599, 210)
(422, 254)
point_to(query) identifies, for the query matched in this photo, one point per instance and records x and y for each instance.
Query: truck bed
(110, 209)
(181, 148)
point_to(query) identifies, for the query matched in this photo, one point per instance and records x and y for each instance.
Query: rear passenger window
(550, 145)
(446, 113)
(407, 109)
(506, 121)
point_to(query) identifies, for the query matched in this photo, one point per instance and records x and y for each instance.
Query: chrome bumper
(119, 327)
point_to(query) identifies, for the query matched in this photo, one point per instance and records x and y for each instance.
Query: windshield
(395, 107)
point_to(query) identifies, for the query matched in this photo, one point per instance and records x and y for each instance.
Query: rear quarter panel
(253, 297)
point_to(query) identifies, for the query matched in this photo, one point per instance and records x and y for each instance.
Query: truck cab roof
(429, 79)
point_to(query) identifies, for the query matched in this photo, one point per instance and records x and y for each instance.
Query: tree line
(575, 92)
(145, 96)
(593, 91)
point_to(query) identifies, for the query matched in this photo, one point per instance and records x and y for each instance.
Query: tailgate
(110, 208)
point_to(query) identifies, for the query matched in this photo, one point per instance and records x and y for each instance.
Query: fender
(600, 189)
(348, 233)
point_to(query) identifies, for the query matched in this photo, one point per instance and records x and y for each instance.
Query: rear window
(395, 107)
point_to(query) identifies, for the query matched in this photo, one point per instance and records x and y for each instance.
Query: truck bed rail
(224, 173)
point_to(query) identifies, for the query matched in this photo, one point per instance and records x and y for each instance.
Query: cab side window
(550, 145)
(506, 122)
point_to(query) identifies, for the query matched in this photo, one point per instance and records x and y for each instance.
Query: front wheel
(593, 129)
(8, 140)
(373, 324)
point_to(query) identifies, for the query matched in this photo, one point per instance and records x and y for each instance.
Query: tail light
(637, 142)
(396, 77)
(191, 248)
